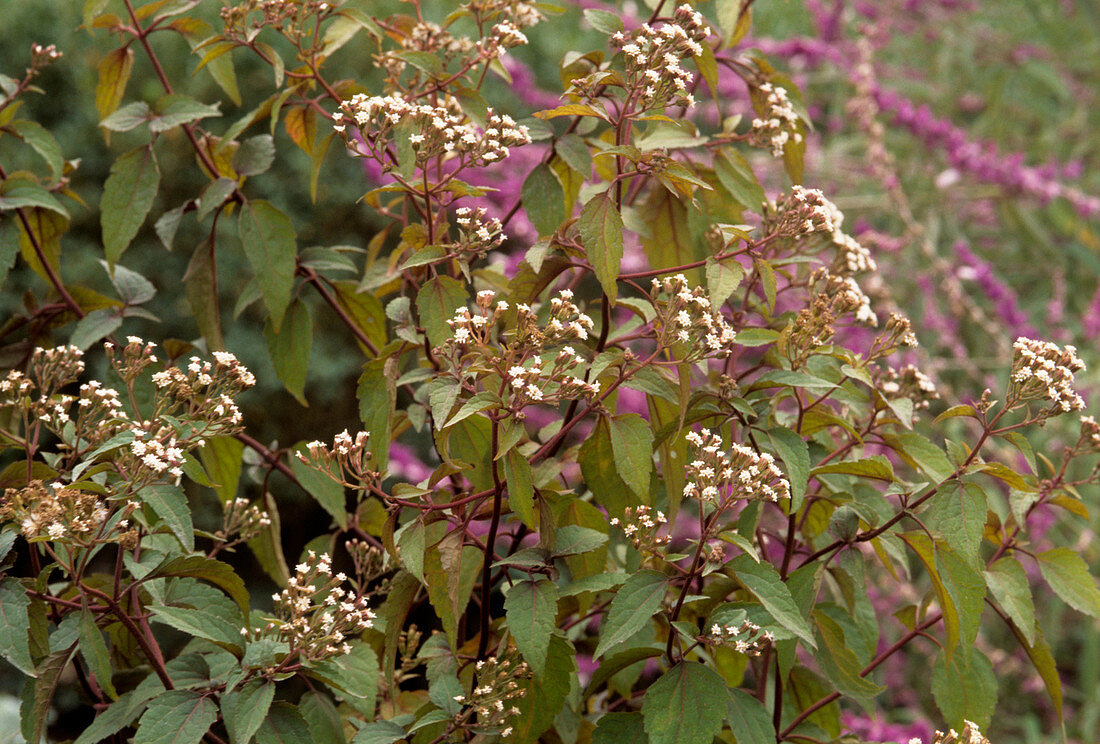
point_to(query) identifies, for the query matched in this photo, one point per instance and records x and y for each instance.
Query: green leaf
(289, 348)
(794, 452)
(95, 326)
(377, 395)
(117, 716)
(95, 652)
(255, 155)
(175, 109)
(632, 447)
(544, 199)
(620, 728)
(573, 539)
(736, 176)
(15, 625)
(545, 695)
(209, 569)
(603, 21)
(132, 287)
(176, 717)
(838, 662)
(353, 675)
(379, 732)
(1008, 583)
(685, 706)
(748, 720)
(223, 457)
(531, 608)
(922, 455)
(128, 196)
(215, 618)
(1068, 575)
(597, 462)
(43, 142)
(965, 687)
(114, 73)
(601, 230)
(283, 725)
(170, 504)
(213, 196)
(130, 116)
(876, 467)
(436, 304)
(271, 245)
(722, 278)
(38, 693)
(245, 708)
(324, 490)
(1043, 661)
(521, 495)
(322, 718)
(959, 515)
(636, 602)
(19, 193)
(200, 286)
(763, 581)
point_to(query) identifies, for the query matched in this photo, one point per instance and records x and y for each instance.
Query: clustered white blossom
(909, 382)
(745, 638)
(1044, 371)
(802, 212)
(778, 122)
(654, 55)
(432, 130)
(243, 519)
(552, 382)
(720, 478)
(1090, 433)
(478, 234)
(640, 525)
(347, 461)
(315, 615)
(491, 700)
(56, 513)
(970, 735)
(844, 294)
(686, 316)
(206, 390)
(292, 19)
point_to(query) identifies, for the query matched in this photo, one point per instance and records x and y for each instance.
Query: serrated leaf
(132, 287)
(212, 570)
(736, 176)
(838, 662)
(283, 725)
(545, 695)
(245, 708)
(634, 605)
(601, 230)
(43, 142)
(116, 716)
(354, 676)
(685, 705)
(530, 609)
(270, 243)
(521, 495)
(170, 504)
(95, 652)
(603, 21)
(597, 463)
(175, 109)
(876, 467)
(379, 732)
(1068, 575)
(573, 539)
(324, 721)
(15, 625)
(128, 196)
(114, 73)
(95, 326)
(632, 446)
(544, 199)
(289, 348)
(794, 452)
(176, 717)
(722, 278)
(38, 693)
(215, 618)
(965, 687)
(1008, 583)
(255, 155)
(748, 720)
(922, 455)
(763, 581)
(436, 304)
(960, 516)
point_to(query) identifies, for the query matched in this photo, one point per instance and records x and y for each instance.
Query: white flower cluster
(844, 294)
(315, 615)
(909, 382)
(477, 234)
(137, 354)
(54, 512)
(720, 478)
(1090, 434)
(206, 390)
(803, 212)
(566, 319)
(159, 453)
(686, 316)
(778, 122)
(501, 37)
(243, 519)
(640, 525)
(433, 131)
(14, 386)
(550, 385)
(653, 57)
(745, 638)
(523, 13)
(54, 368)
(1042, 370)
(491, 700)
(970, 735)
(426, 36)
(348, 455)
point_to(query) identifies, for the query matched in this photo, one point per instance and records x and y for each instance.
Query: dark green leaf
(213, 196)
(132, 287)
(531, 608)
(245, 708)
(620, 728)
(632, 446)
(545, 695)
(436, 304)
(212, 570)
(353, 675)
(736, 176)
(170, 504)
(200, 285)
(15, 625)
(176, 717)
(271, 245)
(765, 584)
(685, 706)
(748, 720)
(965, 687)
(1068, 575)
(792, 449)
(128, 196)
(175, 109)
(322, 718)
(38, 693)
(327, 492)
(95, 652)
(575, 540)
(636, 602)
(95, 326)
(289, 348)
(44, 143)
(521, 495)
(1007, 582)
(544, 199)
(283, 725)
(601, 230)
(255, 155)
(20, 193)
(380, 732)
(377, 395)
(597, 462)
(838, 661)
(117, 716)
